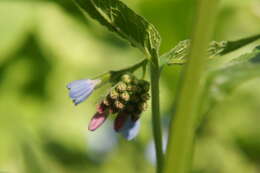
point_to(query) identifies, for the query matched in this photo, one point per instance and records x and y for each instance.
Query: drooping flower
(127, 100)
(80, 90)
(126, 125)
(130, 128)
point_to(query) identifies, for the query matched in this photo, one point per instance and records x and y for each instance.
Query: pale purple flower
(130, 128)
(126, 125)
(80, 90)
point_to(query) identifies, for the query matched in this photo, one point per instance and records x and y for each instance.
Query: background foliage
(46, 44)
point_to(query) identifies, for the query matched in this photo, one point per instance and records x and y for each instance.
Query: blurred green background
(46, 44)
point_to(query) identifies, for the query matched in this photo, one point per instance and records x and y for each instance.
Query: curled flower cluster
(127, 100)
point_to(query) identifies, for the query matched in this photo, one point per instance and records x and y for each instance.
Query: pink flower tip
(97, 120)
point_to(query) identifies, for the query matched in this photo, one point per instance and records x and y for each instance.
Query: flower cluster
(126, 100)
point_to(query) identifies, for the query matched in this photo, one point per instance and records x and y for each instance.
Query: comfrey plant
(128, 96)
(127, 99)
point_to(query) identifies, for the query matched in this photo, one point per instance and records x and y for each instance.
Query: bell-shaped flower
(127, 126)
(80, 90)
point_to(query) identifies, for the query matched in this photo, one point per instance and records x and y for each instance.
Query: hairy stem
(133, 67)
(113, 75)
(156, 122)
(182, 130)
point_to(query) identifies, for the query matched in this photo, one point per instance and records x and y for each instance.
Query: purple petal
(77, 83)
(82, 97)
(130, 128)
(80, 90)
(76, 92)
(97, 120)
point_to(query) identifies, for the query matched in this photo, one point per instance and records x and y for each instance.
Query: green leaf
(222, 81)
(118, 18)
(229, 46)
(178, 55)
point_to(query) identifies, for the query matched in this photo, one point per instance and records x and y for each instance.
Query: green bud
(133, 88)
(105, 102)
(129, 87)
(127, 78)
(125, 96)
(129, 95)
(113, 94)
(121, 87)
(119, 105)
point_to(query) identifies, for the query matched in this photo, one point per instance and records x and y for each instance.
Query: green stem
(131, 68)
(113, 75)
(182, 129)
(156, 122)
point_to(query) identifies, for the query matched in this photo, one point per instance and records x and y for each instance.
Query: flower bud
(97, 120)
(119, 105)
(127, 100)
(113, 94)
(127, 78)
(125, 96)
(129, 87)
(121, 87)
(105, 102)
